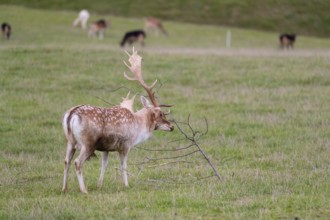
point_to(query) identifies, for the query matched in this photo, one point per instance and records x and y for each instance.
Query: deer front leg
(67, 161)
(79, 162)
(123, 166)
(105, 156)
(101, 34)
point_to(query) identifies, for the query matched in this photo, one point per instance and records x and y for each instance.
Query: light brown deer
(98, 29)
(119, 128)
(153, 25)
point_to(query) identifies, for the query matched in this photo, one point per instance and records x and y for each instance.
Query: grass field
(311, 18)
(267, 110)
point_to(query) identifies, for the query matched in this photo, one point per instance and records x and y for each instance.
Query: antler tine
(129, 92)
(135, 67)
(128, 77)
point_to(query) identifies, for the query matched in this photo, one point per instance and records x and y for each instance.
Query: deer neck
(146, 125)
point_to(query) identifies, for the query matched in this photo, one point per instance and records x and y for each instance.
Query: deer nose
(172, 128)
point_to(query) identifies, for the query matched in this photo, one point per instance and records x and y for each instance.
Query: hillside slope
(309, 18)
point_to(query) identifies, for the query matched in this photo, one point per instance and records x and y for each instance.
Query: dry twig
(193, 138)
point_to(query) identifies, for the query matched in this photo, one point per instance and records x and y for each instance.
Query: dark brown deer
(287, 41)
(137, 36)
(119, 128)
(6, 30)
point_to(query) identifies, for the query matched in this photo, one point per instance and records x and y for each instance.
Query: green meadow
(267, 111)
(310, 18)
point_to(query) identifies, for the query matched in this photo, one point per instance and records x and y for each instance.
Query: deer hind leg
(123, 166)
(84, 23)
(70, 150)
(79, 162)
(105, 156)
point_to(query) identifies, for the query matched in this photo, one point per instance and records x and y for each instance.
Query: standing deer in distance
(153, 25)
(6, 30)
(81, 19)
(132, 37)
(97, 28)
(287, 41)
(119, 128)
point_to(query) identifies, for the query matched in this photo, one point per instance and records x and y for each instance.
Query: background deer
(81, 19)
(287, 41)
(98, 29)
(6, 30)
(119, 128)
(132, 37)
(153, 25)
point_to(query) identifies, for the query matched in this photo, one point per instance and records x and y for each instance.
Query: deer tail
(66, 122)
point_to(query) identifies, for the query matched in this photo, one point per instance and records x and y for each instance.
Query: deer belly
(110, 143)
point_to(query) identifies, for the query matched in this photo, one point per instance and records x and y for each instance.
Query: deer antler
(135, 68)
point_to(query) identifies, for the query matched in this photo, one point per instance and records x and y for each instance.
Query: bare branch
(177, 149)
(169, 158)
(175, 182)
(194, 142)
(164, 164)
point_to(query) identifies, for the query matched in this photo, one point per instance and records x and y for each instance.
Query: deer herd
(118, 128)
(152, 26)
(97, 29)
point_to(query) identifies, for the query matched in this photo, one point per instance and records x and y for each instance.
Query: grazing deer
(287, 41)
(6, 30)
(82, 19)
(153, 25)
(118, 128)
(132, 37)
(98, 29)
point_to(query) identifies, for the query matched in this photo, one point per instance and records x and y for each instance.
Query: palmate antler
(135, 68)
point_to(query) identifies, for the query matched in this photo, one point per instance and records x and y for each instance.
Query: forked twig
(193, 138)
(177, 149)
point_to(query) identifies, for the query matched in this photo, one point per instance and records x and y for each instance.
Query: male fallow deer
(119, 128)
(153, 25)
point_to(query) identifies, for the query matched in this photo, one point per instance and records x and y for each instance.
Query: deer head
(159, 117)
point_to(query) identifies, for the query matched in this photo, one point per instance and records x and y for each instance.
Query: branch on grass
(176, 182)
(177, 149)
(193, 138)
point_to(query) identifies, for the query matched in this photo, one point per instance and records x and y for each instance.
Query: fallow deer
(287, 41)
(82, 19)
(119, 128)
(98, 29)
(153, 25)
(132, 37)
(6, 30)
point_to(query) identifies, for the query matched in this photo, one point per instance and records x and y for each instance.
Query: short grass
(268, 119)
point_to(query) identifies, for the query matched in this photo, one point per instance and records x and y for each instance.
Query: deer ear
(145, 102)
